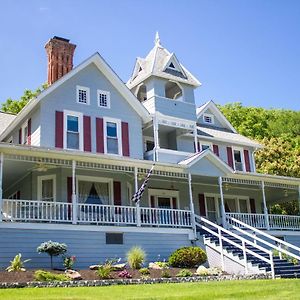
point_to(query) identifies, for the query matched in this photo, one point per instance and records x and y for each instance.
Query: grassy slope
(255, 289)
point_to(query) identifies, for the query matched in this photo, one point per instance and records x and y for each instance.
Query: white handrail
(243, 241)
(264, 234)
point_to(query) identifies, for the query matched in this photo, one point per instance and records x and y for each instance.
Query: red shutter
(99, 135)
(229, 157)
(247, 160)
(117, 193)
(216, 150)
(252, 206)
(59, 129)
(125, 139)
(152, 201)
(69, 195)
(174, 203)
(20, 136)
(87, 143)
(29, 132)
(202, 208)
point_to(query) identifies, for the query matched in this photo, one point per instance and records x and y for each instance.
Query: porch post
(265, 205)
(156, 138)
(192, 204)
(299, 198)
(223, 213)
(136, 187)
(1, 189)
(196, 139)
(74, 197)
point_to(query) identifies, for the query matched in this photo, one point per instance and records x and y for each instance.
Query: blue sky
(240, 50)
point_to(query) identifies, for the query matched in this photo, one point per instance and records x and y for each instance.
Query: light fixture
(226, 186)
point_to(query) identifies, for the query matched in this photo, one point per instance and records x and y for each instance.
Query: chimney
(60, 58)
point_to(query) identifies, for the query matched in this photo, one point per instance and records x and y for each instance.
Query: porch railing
(61, 212)
(276, 222)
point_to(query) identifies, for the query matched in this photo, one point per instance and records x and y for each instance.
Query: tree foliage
(15, 106)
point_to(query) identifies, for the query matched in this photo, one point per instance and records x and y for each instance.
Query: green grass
(254, 289)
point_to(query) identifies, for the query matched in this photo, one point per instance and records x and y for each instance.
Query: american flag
(138, 195)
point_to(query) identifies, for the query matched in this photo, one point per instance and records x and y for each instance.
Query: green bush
(41, 275)
(165, 273)
(136, 257)
(17, 265)
(286, 256)
(187, 257)
(104, 271)
(184, 273)
(144, 271)
(162, 264)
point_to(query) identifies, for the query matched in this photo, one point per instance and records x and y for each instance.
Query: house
(73, 157)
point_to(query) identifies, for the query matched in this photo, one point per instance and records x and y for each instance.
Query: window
(208, 119)
(113, 136)
(47, 188)
(238, 160)
(73, 131)
(114, 238)
(164, 198)
(173, 91)
(83, 95)
(24, 136)
(103, 99)
(171, 65)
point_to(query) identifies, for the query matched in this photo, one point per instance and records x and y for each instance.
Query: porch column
(192, 204)
(265, 205)
(299, 198)
(156, 138)
(223, 213)
(74, 197)
(136, 187)
(196, 139)
(1, 189)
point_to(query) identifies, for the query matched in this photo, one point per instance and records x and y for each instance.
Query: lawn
(254, 289)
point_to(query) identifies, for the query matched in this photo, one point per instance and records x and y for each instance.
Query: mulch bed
(28, 276)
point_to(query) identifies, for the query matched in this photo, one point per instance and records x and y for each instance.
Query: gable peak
(157, 40)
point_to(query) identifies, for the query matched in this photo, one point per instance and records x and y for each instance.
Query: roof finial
(157, 39)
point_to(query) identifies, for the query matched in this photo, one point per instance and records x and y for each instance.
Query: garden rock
(154, 266)
(94, 267)
(202, 271)
(74, 275)
(118, 267)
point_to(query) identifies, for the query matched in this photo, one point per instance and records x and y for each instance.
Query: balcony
(167, 155)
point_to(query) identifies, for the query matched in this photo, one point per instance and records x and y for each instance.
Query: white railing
(223, 236)
(165, 217)
(28, 210)
(47, 211)
(106, 214)
(275, 222)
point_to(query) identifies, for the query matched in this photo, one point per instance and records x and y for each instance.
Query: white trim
(129, 193)
(203, 143)
(24, 140)
(105, 93)
(156, 193)
(119, 135)
(87, 90)
(79, 115)
(40, 180)
(242, 158)
(97, 179)
(211, 116)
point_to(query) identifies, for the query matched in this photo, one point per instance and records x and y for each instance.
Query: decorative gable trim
(173, 64)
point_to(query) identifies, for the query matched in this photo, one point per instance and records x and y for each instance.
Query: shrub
(165, 274)
(187, 257)
(104, 271)
(17, 265)
(286, 256)
(69, 261)
(136, 257)
(144, 271)
(125, 274)
(41, 275)
(52, 249)
(184, 273)
(162, 264)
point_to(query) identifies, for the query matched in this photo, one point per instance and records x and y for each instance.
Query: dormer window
(103, 99)
(208, 119)
(83, 95)
(171, 65)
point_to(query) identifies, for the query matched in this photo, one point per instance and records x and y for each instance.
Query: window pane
(82, 96)
(112, 146)
(243, 206)
(72, 140)
(47, 190)
(204, 147)
(111, 129)
(237, 156)
(72, 123)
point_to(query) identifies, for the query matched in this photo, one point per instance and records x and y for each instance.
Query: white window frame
(87, 90)
(242, 157)
(24, 139)
(206, 144)
(165, 194)
(39, 187)
(209, 116)
(119, 135)
(97, 179)
(148, 139)
(80, 128)
(107, 93)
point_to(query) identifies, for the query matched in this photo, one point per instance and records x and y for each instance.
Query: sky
(240, 50)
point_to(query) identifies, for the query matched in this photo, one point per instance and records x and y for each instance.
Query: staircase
(245, 249)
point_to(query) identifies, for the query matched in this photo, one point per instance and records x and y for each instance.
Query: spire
(157, 39)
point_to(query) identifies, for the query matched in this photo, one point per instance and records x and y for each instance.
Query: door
(164, 202)
(211, 208)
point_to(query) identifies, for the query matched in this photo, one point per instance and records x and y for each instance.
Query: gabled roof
(5, 120)
(208, 154)
(107, 71)
(218, 114)
(156, 64)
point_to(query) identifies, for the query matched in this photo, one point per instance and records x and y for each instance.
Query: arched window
(173, 90)
(142, 93)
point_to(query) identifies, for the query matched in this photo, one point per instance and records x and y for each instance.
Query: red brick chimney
(60, 58)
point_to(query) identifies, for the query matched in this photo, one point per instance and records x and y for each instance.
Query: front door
(164, 202)
(212, 208)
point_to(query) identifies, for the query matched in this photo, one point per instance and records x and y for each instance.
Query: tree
(15, 106)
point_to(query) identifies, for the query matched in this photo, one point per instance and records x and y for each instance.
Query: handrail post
(74, 196)
(280, 253)
(245, 256)
(1, 189)
(221, 249)
(272, 265)
(223, 213)
(192, 205)
(265, 206)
